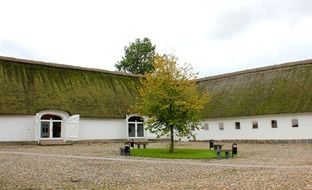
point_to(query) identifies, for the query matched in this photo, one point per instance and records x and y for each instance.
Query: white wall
(264, 131)
(22, 128)
(17, 128)
(149, 135)
(92, 128)
(101, 129)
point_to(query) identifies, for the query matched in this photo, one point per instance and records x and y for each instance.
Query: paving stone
(99, 166)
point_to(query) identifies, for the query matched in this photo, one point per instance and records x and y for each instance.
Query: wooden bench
(138, 143)
(226, 152)
(217, 147)
(141, 143)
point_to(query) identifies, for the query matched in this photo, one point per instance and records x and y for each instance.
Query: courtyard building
(52, 102)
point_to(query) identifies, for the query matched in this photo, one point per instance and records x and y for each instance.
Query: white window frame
(274, 124)
(63, 115)
(254, 123)
(293, 121)
(51, 121)
(205, 127)
(135, 127)
(221, 126)
(237, 125)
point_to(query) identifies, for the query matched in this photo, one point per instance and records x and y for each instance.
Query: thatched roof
(284, 88)
(27, 87)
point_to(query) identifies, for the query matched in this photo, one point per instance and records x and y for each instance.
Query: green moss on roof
(280, 89)
(28, 88)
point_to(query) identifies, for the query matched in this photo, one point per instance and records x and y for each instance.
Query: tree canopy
(170, 99)
(138, 58)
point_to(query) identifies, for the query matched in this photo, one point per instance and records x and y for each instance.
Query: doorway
(50, 126)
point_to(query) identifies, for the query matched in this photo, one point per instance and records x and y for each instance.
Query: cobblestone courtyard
(99, 166)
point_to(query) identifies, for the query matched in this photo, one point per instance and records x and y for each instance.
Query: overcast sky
(215, 37)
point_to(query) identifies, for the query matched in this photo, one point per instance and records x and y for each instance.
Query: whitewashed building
(51, 102)
(268, 103)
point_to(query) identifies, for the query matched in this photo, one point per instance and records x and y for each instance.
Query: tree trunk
(172, 140)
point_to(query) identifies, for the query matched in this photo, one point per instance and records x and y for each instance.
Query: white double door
(51, 129)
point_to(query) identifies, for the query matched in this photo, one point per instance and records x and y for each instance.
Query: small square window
(237, 125)
(255, 124)
(274, 123)
(205, 126)
(294, 123)
(221, 126)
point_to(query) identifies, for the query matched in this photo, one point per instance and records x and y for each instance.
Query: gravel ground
(99, 166)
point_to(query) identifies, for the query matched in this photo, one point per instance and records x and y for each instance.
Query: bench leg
(122, 151)
(144, 146)
(219, 154)
(227, 154)
(138, 146)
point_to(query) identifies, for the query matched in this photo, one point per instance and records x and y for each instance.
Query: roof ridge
(58, 65)
(236, 73)
(256, 70)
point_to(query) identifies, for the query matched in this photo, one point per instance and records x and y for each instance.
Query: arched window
(50, 126)
(135, 127)
(50, 116)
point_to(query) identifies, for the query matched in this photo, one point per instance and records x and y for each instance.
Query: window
(51, 126)
(221, 126)
(135, 119)
(50, 116)
(255, 124)
(274, 123)
(45, 129)
(140, 130)
(294, 123)
(135, 127)
(206, 126)
(237, 125)
(131, 130)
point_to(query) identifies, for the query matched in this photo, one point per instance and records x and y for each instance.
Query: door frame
(63, 115)
(51, 126)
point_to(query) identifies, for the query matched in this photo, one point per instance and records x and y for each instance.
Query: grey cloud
(233, 22)
(230, 24)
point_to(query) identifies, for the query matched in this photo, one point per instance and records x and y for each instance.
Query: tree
(170, 99)
(138, 58)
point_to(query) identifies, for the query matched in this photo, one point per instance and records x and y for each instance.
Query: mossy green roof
(27, 87)
(284, 88)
